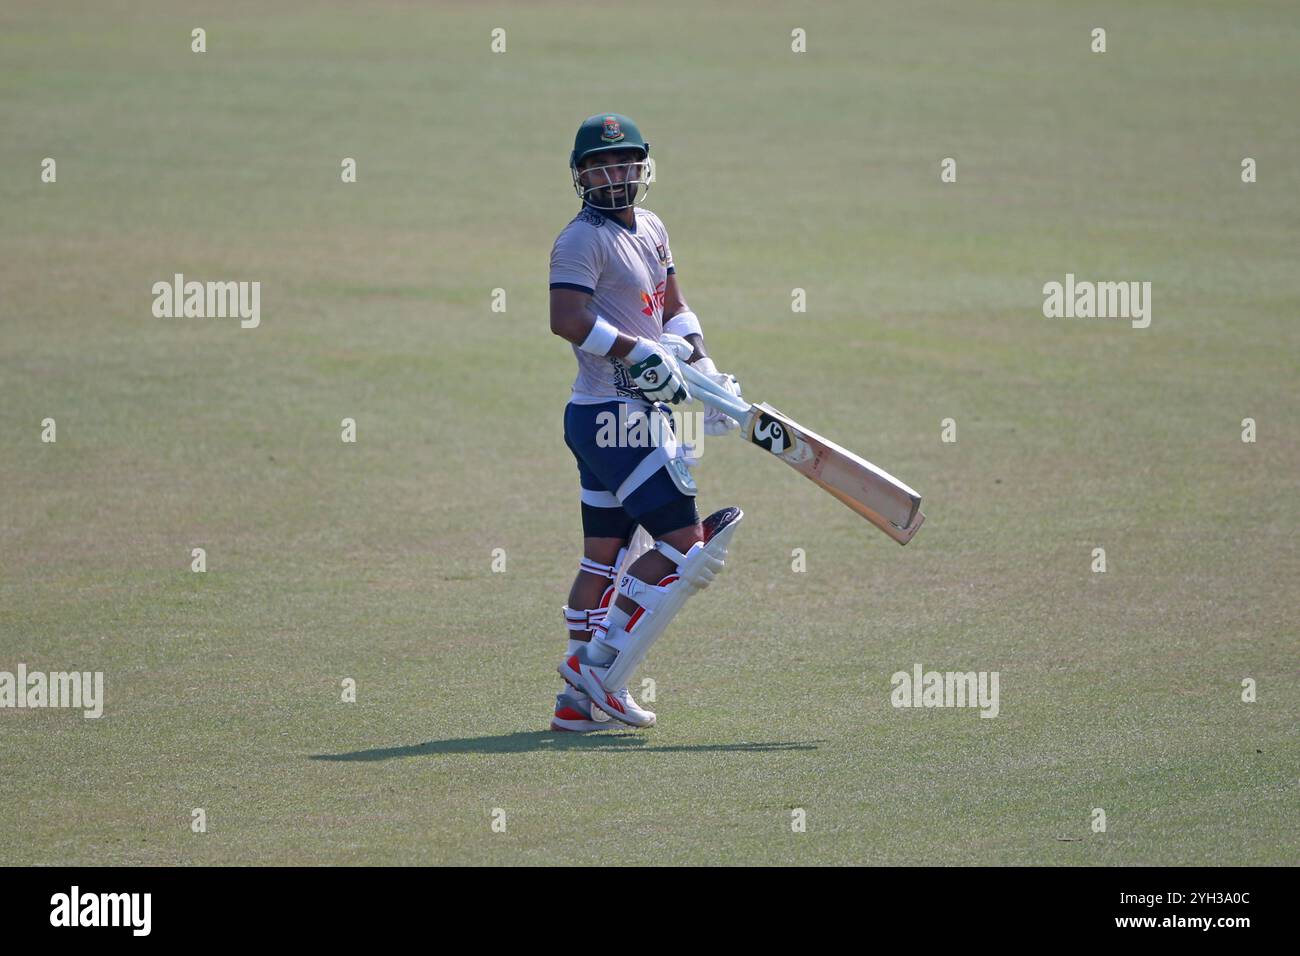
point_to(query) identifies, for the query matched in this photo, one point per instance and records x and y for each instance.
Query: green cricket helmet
(616, 185)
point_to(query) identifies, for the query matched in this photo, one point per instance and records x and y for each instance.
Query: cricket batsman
(616, 299)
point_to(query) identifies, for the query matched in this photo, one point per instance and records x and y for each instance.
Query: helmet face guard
(614, 185)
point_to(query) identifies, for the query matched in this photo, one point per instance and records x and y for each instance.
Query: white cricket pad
(659, 603)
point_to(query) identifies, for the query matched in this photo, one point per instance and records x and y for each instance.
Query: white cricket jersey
(625, 271)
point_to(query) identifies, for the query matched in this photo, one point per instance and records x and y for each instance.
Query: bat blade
(872, 492)
(900, 534)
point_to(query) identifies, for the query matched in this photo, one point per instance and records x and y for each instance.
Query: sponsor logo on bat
(778, 438)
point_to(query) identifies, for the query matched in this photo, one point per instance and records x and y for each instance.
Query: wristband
(601, 338)
(684, 323)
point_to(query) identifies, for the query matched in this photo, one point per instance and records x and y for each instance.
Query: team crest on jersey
(663, 254)
(612, 132)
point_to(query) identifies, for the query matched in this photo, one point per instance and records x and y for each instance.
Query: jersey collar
(609, 214)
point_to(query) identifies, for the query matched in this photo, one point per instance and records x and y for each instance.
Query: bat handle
(714, 395)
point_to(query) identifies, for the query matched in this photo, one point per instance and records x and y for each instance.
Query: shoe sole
(589, 726)
(564, 672)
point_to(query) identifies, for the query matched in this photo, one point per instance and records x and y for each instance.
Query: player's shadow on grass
(531, 742)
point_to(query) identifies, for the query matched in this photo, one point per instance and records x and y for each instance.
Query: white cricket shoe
(623, 707)
(618, 704)
(574, 714)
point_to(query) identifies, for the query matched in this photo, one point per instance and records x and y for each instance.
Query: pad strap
(592, 619)
(671, 553)
(588, 620)
(648, 596)
(598, 569)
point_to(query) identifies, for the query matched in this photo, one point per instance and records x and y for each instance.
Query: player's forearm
(682, 321)
(582, 330)
(575, 321)
(622, 345)
(697, 343)
(695, 338)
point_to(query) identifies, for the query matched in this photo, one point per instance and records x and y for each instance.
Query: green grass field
(372, 561)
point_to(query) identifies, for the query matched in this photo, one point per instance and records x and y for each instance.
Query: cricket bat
(872, 492)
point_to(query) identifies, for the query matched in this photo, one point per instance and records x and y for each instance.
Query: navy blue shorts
(615, 496)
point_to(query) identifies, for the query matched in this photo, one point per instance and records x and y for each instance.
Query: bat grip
(714, 395)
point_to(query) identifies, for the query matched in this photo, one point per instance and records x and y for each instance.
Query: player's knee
(683, 538)
(678, 516)
(601, 550)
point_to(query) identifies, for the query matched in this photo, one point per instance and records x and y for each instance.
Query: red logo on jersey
(654, 303)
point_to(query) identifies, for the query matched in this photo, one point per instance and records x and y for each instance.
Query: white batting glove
(654, 370)
(716, 422)
(680, 348)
